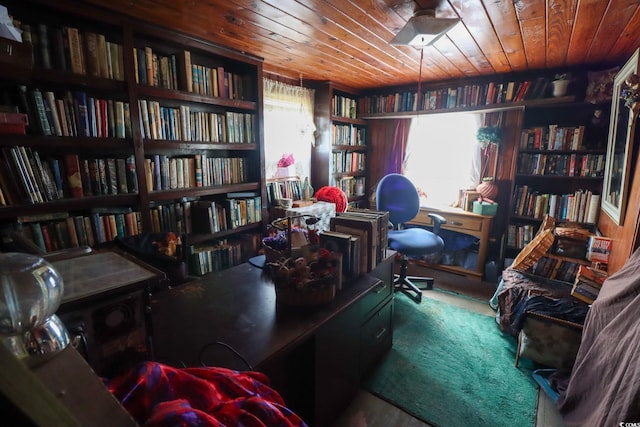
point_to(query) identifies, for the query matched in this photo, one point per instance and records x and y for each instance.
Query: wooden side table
(460, 221)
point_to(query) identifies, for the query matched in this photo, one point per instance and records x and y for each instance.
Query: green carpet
(453, 367)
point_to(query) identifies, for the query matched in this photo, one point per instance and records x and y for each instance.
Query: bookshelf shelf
(340, 156)
(169, 94)
(85, 203)
(557, 177)
(185, 146)
(106, 62)
(348, 120)
(559, 168)
(202, 191)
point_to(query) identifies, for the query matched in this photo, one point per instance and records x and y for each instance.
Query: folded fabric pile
(160, 395)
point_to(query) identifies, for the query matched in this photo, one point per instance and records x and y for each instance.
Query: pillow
(600, 87)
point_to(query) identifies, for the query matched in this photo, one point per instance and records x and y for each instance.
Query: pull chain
(419, 100)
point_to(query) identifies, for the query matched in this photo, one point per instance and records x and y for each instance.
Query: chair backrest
(397, 194)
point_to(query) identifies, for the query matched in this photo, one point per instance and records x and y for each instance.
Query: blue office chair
(397, 195)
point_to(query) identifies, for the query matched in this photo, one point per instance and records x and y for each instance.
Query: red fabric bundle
(157, 395)
(333, 195)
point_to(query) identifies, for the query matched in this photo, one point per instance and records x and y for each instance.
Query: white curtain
(288, 126)
(443, 156)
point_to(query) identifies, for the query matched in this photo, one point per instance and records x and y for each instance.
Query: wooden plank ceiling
(347, 41)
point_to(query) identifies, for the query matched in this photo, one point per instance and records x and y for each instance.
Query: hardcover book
(132, 177)
(85, 173)
(367, 230)
(382, 218)
(74, 178)
(341, 243)
(121, 172)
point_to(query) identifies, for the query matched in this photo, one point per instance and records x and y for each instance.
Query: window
(288, 126)
(443, 156)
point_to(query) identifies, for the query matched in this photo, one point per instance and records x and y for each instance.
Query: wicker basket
(273, 255)
(572, 232)
(309, 296)
(531, 253)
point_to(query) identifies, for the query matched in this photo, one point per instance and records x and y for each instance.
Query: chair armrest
(438, 220)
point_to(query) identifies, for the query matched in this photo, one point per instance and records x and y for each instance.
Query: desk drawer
(374, 297)
(457, 223)
(376, 337)
(454, 221)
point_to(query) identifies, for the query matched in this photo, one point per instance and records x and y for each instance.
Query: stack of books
(588, 283)
(371, 229)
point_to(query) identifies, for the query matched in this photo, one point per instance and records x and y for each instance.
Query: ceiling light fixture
(423, 29)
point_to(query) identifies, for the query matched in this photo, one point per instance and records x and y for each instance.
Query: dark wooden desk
(315, 357)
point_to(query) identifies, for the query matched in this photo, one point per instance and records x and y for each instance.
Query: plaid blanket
(157, 395)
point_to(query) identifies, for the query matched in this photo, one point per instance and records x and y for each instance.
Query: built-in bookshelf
(559, 168)
(340, 156)
(509, 91)
(129, 126)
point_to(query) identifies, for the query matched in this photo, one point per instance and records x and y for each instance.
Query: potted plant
(487, 135)
(560, 84)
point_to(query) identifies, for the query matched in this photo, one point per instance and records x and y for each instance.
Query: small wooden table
(465, 222)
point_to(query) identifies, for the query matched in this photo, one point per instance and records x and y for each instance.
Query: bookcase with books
(339, 157)
(559, 168)
(477, 94)
(131, 129)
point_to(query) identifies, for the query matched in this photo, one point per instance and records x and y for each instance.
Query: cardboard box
(485, 208)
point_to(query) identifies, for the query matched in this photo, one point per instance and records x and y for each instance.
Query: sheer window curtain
(443, 156)
(288, 125)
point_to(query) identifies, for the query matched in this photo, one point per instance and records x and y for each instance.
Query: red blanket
(159, 395)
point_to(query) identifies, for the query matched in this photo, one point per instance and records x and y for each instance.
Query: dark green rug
(453, 367)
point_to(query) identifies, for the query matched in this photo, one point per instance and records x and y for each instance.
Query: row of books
(587, 284)
(587, 165)
(353, 186)
(178, 72)
(361, 235)
(28, 177)
(215, 257)
(344, 106)
(152, 69)
(552, 137)
(219, 255)
(60, 230)
(283, 189)
(214, 81)
(209, 216)
(74, 114)
(348, 162)
(580, 206)
(519, 235)
(472, 95)
(69, 49)
(173, 216)
(557, 268)
(167, 173)
(182, 124)
(349, 135)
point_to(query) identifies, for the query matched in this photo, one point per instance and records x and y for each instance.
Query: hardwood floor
(367, 410)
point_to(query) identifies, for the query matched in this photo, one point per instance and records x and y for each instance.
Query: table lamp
(30, 293)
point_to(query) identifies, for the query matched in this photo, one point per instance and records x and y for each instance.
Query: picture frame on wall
(620, 143)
